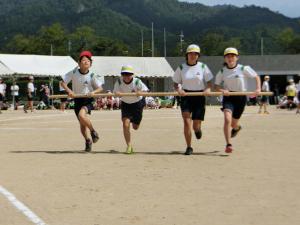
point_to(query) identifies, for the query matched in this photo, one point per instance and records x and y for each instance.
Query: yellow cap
(127, 69)
(193, 48)
(231, 51)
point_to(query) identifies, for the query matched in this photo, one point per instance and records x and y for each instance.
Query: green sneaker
(129, 150)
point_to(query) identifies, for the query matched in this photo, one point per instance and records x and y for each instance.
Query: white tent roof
(143, 66)
(39, 65)
(4, 70)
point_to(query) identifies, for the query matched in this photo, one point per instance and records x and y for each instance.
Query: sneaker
(198, 134)
(228, 148)
(95, 136)
(188, 151)
(25, 111)
(88, 145)
(129, 150)
(234, 132)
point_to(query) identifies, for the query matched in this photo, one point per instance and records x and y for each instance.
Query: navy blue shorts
(236, 104)
(264, 99)
(298, 96)
(194, 105)
(83, 102)
(133, 111)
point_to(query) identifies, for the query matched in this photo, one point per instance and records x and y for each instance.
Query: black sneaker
(88, 145)
(95, 136)
(198, 134)
(234, 132)
(188, 151)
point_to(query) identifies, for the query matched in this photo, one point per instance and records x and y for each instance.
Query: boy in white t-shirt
(84, 81)
(30, 94)
(15, 93)
(131, 106)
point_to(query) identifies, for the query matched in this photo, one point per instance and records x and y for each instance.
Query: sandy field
(42, 164)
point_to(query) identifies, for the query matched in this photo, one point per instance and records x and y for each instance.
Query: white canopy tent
(4, 71)
(156, 71)
(143, 66)
(37, 65)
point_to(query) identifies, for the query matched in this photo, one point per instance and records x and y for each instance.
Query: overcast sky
(290, 8)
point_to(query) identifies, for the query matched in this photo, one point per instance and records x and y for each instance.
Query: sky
(290, 8)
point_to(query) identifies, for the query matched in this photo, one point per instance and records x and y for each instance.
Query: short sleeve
(208, 76)
(249, 72)
(177, 76)
(68, 77)
(219, 78)
(117, 86)
(141, 86)
(98, 81)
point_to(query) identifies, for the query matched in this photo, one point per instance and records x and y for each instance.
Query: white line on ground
(21, 207)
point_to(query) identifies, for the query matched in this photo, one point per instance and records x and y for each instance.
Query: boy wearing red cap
(86, 82)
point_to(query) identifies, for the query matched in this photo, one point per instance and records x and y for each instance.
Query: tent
(154, 71)
(4, 71)
(37, 65)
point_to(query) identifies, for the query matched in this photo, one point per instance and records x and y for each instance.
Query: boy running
(131, 106)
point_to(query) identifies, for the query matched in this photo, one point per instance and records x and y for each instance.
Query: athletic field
(45, 174)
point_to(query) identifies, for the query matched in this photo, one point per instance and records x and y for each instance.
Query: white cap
(193, 48)
(127, 69)
(231, 50)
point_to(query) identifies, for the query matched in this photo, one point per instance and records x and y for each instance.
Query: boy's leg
(227, 125)
(197, 128)
(82, 116)
(126, 130)
(187, 121)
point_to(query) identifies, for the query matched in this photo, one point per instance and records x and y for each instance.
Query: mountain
(124, 20)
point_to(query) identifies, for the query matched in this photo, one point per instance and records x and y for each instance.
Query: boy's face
(127, 77)
(85, 63)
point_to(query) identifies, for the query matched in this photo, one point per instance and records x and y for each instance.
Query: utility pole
(69, 47)
(51, 49)
(165, 43)
(181, 41)
(261, 46)
(152, 39)
(142, 36)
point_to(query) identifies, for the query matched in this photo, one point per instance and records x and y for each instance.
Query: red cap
(86, 53)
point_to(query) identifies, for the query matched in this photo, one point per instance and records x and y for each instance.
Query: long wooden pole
(163, 94)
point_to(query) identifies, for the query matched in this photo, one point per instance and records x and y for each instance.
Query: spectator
(30, 94)
(15, 93)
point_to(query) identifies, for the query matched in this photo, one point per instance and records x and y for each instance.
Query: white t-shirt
(298, 87)
(30, 87)
(192, 78)
(235, 79)
(83, 83)
(2, 89)
(14, 90)
(135, 85)
(265, 86)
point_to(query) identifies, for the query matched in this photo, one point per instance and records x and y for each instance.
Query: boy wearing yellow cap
(232, 78)
(192, 76)
(131, 106)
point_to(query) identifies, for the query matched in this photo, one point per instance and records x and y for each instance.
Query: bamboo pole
(145, 94)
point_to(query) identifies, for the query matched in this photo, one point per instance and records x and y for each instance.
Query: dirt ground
(43, 165)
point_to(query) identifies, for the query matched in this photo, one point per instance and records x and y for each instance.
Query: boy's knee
(135, 126)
